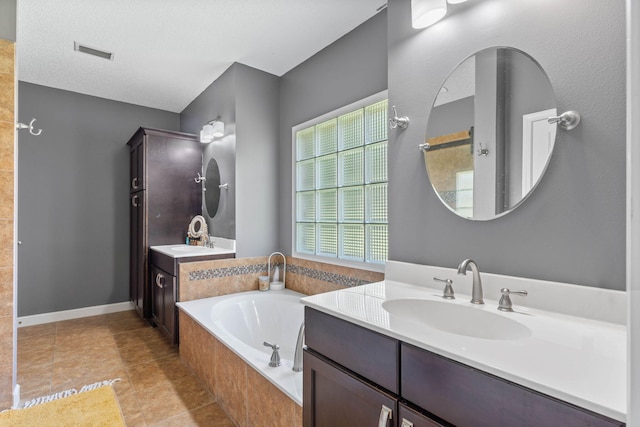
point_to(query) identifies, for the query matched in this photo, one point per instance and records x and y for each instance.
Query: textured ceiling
(166, 52)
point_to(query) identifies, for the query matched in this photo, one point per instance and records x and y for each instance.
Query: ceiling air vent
(92, 51)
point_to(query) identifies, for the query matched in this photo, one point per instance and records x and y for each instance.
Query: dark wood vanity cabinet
(350, 372)
(335, 397)
(164, 197)
(165, 286)
(163, 301)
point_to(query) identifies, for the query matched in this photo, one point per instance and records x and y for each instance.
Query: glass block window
(341, 185)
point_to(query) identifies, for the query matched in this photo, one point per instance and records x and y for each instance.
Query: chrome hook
(396, 121)
(567, 120)
(483, 152)
(200, 178)
(32, 131)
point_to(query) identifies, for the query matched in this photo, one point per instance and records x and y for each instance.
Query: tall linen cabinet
(163, 197)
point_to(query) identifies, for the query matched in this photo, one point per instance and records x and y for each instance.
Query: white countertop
(184, 251)
(575, 359)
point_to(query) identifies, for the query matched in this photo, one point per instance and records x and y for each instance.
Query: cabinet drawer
(466, 396)
(367, 353)
(164, 262)
(334, 397)
(410, 417)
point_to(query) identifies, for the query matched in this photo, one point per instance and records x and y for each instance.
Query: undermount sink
(467, 320)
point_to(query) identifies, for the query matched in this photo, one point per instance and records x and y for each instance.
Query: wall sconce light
(427, 12)
(213, 129)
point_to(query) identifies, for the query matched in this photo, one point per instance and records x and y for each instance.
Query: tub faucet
(297, 357)
(476, 292)
(275, 356)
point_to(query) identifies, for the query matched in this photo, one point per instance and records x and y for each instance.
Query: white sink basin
(467, 320)
(189, 248)
(188, 251)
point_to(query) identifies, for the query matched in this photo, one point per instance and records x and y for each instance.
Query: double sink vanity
(397, 353)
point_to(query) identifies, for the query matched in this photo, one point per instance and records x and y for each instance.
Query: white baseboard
(56, 316)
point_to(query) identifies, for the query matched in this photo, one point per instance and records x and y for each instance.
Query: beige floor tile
(35, 377)
(35, 357)
(138, 336)
(210, 415)
(146, 375)
(146, 352)
(172, 400)
(155, 385)
(122, 315)
(36, 342)
(36, 330)
(127, 325)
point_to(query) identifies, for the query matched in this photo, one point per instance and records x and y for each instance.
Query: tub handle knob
(275, 356)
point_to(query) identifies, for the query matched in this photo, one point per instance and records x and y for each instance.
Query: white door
(538, 137)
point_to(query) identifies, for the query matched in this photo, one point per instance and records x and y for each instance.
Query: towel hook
(200, 178)
(567, 120)
(396, 121)
(32, 130)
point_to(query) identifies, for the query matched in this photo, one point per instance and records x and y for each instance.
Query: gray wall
(8, 19)
(218, 99)
(350, 69)
(247, 101)
(257, 162)
(73, 204)
(572, 229)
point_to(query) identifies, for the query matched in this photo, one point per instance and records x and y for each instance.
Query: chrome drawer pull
(134, 201)
(159, 278)
(134, 183)
(385, 416)
(406, 423)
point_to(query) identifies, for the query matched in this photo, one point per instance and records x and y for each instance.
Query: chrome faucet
(476, 292)
(275, 356)
(297, 357)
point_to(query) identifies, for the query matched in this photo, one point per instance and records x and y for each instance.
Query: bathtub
(243, 321)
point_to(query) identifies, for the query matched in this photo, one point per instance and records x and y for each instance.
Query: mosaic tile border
(338, 279)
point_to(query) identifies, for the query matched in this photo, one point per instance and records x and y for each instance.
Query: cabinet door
(465, 396)
(137, 181)
(336, 398)
(169, 307)
(137, 270)
(409, 417)
(163, 299)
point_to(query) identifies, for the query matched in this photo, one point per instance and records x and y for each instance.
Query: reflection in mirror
(488, 138)
(212, 188)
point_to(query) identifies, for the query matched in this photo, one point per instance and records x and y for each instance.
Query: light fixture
(455, 1)
(427, 12)
(213, 129)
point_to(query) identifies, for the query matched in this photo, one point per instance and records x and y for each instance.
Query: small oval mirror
(488, 139)
(212, 188)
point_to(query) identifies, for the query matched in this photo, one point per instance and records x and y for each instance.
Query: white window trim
(362, 265)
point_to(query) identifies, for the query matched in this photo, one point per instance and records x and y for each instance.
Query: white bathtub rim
(282, 377)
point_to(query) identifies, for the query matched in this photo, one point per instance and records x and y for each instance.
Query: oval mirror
(212, 188)
(488, 139)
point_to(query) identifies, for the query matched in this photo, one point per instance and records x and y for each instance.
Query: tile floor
(156, 388)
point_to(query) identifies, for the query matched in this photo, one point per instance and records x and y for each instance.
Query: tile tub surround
(221, 277)
(247, 397)
(7, 134)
